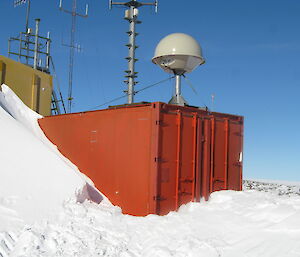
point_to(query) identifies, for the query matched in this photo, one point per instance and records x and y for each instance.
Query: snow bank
(231, 224)
(35, 180)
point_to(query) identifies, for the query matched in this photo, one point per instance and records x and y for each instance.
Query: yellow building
(32, 86)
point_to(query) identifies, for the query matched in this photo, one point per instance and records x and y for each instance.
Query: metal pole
(35, 59)
(27, 15)
(177, 97)
(26, 30)
(48, 52)
(71, 57)
(177, 87)
(131, 15)
(131, 60)
(20, 48)
(9, 48)
(27, 46)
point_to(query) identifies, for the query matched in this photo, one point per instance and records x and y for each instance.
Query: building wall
(32, 86)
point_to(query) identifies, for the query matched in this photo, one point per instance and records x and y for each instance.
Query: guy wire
(123, 96)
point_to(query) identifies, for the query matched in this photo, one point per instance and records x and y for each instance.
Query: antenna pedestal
(177, 98)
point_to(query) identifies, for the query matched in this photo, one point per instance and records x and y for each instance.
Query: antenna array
(33, 47)
(72, 46)
(131, 16)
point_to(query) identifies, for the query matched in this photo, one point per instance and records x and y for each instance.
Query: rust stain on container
(152, 158)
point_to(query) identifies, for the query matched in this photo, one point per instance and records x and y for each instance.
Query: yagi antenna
(131, 16)
(72, 45)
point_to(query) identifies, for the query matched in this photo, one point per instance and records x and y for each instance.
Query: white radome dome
(178, 53)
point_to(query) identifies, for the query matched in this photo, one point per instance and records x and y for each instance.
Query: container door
(166, 181)
(235, 155)
(186, 149)
(205, 157)
(220, 154)
(177, 165)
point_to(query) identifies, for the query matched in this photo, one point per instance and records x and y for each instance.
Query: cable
(113, 100)
(193, 88)
(164, 80)
(123, 96)
(190, 84)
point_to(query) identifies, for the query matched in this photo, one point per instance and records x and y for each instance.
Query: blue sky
(252, 52)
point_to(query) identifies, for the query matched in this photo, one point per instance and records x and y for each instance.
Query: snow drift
(230, 224)
(35, 179)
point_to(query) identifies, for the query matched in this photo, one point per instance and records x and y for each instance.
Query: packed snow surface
(36, 182)
(248, 223)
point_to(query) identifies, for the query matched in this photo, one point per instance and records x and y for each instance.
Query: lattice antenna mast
(72, 46)
(131, 15)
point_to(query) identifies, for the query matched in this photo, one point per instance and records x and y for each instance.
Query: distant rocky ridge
(277, 188)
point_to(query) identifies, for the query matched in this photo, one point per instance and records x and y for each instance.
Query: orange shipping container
(153, 157)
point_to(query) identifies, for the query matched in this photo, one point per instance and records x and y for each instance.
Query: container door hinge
(158, 198)
(158, 122)
(239, 134)
(218, 181)
(186, 180)
(157, 159)
(238, 164)
(185, 193)
(202, 139)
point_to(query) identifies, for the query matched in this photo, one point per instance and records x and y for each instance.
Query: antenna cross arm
(154, 4)
(77, 47)
(133, 3)
(73, 13)
(128, 4)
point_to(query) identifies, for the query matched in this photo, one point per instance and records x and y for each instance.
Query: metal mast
(27, 15)
(177, 97)
(20, 2)
(72, 46)
(131, 16)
